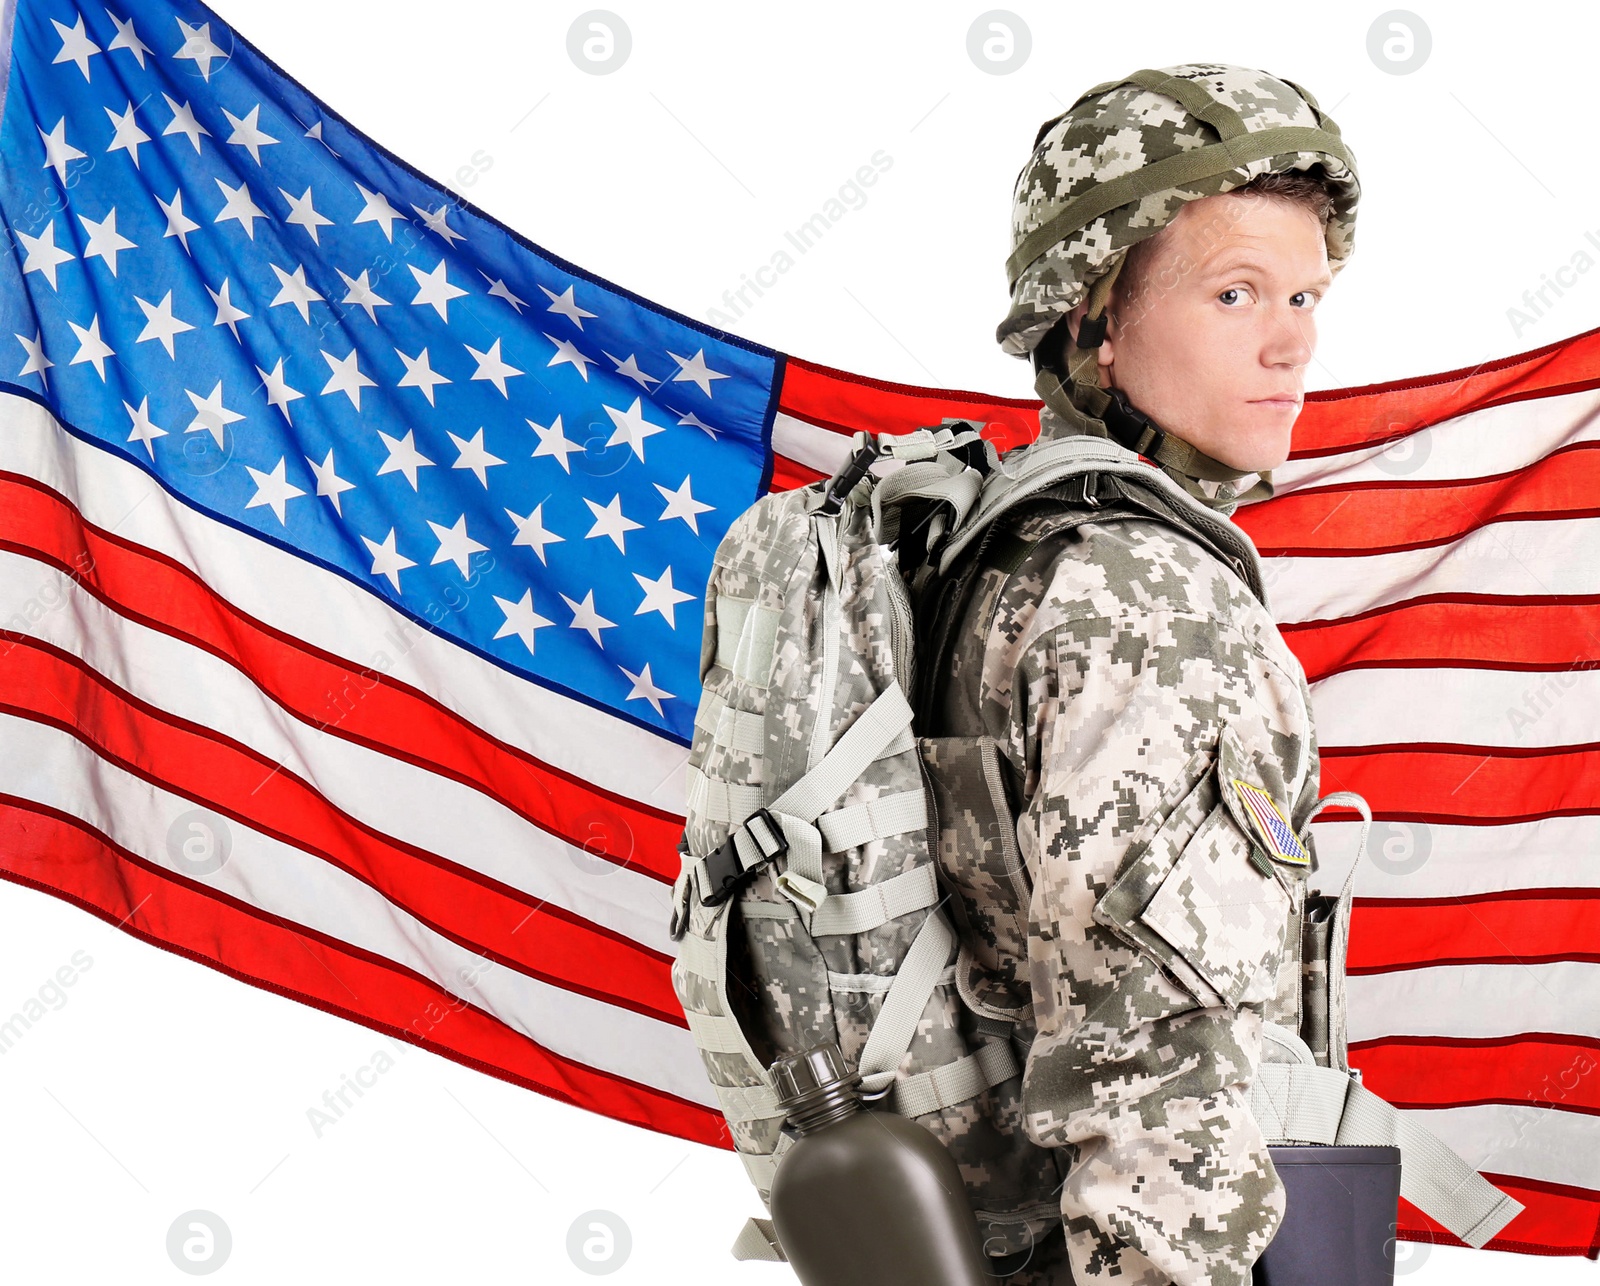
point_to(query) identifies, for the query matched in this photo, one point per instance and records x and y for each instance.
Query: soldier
(1147, 716)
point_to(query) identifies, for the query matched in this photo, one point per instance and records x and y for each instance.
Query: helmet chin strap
(1124, 422)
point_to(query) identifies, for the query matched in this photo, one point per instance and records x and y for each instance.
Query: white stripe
(1474, 445)
(1516, 708)
(1529, 558)
(819, 449)
(1530, 1142)
(51, 767)
(325, 609)
(1428, 861)
(394, 797)
(1477, 1000)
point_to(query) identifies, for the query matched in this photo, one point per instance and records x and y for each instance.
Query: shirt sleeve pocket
(1195, 900)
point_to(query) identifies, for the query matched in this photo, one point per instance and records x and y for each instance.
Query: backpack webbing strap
(993, 1063)
(1305, 1103)
(896, 1024)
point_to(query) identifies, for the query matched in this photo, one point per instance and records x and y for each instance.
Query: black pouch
(1338, 1228)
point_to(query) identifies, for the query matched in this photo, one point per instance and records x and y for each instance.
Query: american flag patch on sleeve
(1275, 833)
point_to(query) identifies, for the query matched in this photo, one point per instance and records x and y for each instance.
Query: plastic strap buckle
(726, 874)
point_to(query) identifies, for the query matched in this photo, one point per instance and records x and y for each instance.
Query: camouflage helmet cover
(1121, 162)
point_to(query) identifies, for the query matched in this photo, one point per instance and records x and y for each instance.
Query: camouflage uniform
(1130, 689)
(1125, 676)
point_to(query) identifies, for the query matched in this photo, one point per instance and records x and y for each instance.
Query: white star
(630, 370)
(347, 377)
(183, 122)
(272, 489)
(128, 135)
(144, 431)
(435, 289)
(76, 47)
(292, 289)
(247, 134)
(632, 427)
(610, 521)
(455, 546)
(660, 596)
(567, 307)
(37, 363)
(128, 38)
(420, 375)
(499, 289)
(680, 504)
(57, 151)
(329, 483)
(532, 531)
(403, 457)
(584, 617)
(179, 224)
(279, 394)
(474, 456)
(644, 688)
(198, 45)
(521, 619)
(91, 348)
(302, 212)
(387, 560)
(210, 415)
(378, 210)
(695, 370)
(566, 352)
(159, 323)
(239, 206)
(362, 294)
(491, 368)
(43, 253)
(227, 314)
(316, 132)
(435, 219)
(104, 239)
(552, 441)
(692, 418)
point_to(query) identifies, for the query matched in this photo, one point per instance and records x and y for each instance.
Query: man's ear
(1103, 354)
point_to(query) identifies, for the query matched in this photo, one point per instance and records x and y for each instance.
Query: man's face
(1213, 339)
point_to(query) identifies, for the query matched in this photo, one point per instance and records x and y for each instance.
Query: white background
(162, 1086)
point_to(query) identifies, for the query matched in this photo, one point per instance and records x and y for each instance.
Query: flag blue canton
(213, 275)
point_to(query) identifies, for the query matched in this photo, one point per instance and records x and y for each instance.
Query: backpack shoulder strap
(1107, 469)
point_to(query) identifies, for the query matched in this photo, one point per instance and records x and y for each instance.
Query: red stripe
(1536, 1069)
(787, 474)
(1555, 1220)
(511, 927)
(1338, 420)
(1386, 517)
(1332, 421)
(1525, 926)
(368, 708)
(1488, 631)
(846, 403)
(1465, 785)
(59, 855)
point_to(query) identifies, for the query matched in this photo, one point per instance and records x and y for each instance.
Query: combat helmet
(1116, 167)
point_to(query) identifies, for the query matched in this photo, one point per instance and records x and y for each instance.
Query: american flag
(353, 556)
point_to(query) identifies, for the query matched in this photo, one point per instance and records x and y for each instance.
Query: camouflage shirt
(1133, 688)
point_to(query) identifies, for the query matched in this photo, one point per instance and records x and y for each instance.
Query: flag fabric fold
(353, 551)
